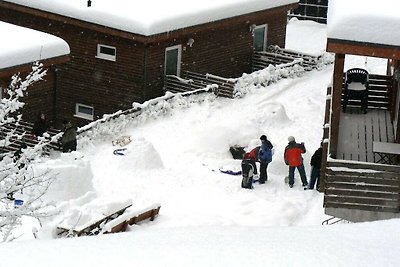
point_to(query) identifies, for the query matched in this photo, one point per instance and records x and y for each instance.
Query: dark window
(85, 110)
(107, 50)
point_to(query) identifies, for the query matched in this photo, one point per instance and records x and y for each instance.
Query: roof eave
(340, 46)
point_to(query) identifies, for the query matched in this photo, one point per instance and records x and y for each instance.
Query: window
(84, 111)
(106, 52)
(173, 60)
(260, 37)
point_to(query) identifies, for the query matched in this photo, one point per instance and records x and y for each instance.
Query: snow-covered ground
(206, 218)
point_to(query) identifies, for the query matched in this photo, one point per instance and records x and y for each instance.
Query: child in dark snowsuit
(249, 168)
(316, 168)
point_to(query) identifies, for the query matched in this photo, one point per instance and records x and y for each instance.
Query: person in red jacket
(294, 160)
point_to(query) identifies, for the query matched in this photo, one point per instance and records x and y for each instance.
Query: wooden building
(121, 53)
(360, 169)
(316, 10)
(19, 49)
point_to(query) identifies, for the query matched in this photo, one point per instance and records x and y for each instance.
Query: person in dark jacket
(294, 160)
(316, 168)
(41, 125)
(264, 157)
(68, 140)
(249, 169)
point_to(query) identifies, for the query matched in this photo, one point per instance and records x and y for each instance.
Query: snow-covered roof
(152, 16)
(365, 21)
(21, 45)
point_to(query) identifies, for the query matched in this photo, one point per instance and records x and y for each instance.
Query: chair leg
(364, 102)
(345, 100)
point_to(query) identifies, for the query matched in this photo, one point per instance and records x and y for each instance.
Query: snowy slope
(206, 219)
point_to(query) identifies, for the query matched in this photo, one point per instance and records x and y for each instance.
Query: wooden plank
(362, 193)
(362, 144)
(118, 228)
(363, 166)
(150, 214)
(368, 136)
(364, 187)
(364, 201)
(362, 175)
(360, 207)
(389, 128)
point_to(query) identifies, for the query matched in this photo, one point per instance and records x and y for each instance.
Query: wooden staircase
(193, 81)
(276, 55)
(24, 129)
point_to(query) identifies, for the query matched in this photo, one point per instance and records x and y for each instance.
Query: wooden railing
(192, 81)
(24, 130)
(276, 55)
(362, 186)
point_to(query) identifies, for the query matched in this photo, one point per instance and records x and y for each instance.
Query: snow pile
(73, 176)
(150, 110)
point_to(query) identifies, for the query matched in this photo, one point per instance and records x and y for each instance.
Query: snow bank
(73, 176)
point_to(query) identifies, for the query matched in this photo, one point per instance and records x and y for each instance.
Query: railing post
(326, 130)
(336, 103)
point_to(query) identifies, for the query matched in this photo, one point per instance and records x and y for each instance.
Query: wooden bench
(91, 228)
(111, 223)
(388, 153)
(131, 217)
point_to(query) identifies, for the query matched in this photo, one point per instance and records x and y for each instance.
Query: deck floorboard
(357, 131)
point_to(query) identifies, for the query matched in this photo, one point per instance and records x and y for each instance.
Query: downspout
(144, 82)
(55, 100)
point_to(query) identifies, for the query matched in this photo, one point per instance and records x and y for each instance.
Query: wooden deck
(357, 131)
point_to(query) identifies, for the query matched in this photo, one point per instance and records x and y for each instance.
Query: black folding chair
(356, 87)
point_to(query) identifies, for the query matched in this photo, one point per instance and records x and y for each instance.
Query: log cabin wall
(222, 48)
(38, 98)
(106, 85)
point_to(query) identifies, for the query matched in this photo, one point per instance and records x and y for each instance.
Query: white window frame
(265, 26)
(106, 56)
(179, 60)
(81, 114)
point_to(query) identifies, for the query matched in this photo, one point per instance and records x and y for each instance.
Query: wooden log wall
(370, 187)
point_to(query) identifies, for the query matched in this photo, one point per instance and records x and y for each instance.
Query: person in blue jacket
(264, 157)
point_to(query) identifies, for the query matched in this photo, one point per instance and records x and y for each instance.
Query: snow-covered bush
(17, 178)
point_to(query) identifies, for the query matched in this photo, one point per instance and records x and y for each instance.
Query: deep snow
(206, 219)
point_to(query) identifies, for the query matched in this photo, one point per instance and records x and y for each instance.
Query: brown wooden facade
(223, 48)
(358, 187)
(40, 97)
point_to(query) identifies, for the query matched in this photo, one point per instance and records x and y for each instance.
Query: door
(260, 37)
(173, 60)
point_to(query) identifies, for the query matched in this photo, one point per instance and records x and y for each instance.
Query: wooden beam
(336, 102)
(362, 48)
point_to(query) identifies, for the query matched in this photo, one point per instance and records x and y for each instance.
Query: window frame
(83, 115)
(104, 55)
